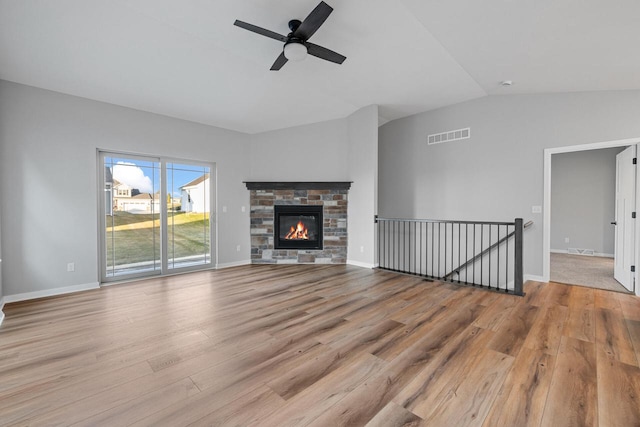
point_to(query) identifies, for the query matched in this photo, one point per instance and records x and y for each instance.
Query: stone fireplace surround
(333, 196)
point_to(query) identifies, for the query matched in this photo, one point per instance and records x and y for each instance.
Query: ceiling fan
(296, 44)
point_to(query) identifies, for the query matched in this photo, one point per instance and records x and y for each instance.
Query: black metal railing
(486, 254)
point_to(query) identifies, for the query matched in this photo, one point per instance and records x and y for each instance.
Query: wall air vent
(452, 135)
(579, 251)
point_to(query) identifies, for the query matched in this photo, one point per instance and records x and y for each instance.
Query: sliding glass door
(155, 215)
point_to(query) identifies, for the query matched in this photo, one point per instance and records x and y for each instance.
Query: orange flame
(299, 232)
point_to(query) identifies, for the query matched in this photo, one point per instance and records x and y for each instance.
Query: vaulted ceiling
(186, 59)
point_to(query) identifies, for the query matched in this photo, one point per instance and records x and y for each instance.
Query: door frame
(164, 270)
(546, 220)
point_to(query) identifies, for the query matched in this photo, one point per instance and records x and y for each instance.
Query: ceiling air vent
(452, 135)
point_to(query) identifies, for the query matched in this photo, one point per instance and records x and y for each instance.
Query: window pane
(188, 208)
(132, 216)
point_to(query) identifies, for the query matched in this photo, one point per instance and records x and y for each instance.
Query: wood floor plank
(308, 373)
(581, 324)
(634, 334)
(136, 409)
(546, 331)
(582, 298)
(249, 409)
(558, 294)
(612, 335)
(274, 345)
(607, 300)
(523, 395)
(572, 398)
(495, 313)
(43, 397)
(451, 361)
(308, 405)
(535, 293)
(618, 392)
(429, 325)
(466, 400)
(630, 305)
(515, 328)
(395, 415)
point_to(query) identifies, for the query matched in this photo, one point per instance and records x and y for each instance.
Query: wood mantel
(298, 185)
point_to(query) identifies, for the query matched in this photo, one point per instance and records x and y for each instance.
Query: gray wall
(497, 174)
(362, 153)
(583, 188)
(48, 164)
(315, 152)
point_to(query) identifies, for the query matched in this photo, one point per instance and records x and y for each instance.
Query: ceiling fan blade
(280, 61)
(324, 53)
(312, 22)
(261, 31)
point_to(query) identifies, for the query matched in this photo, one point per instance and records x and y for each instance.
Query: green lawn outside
(137, 245)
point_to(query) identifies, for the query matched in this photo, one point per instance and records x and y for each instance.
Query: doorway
(582, 211)
(578, 249)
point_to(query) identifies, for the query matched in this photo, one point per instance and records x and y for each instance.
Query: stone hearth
(332, 196)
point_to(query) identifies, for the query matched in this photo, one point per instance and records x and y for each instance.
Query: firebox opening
(297, 227)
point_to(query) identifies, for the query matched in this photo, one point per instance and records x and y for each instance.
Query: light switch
(224, 209)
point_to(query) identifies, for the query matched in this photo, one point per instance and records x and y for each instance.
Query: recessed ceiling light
(506, 83)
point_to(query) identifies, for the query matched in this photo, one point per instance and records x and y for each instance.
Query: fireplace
(297, 227)
(320, 207)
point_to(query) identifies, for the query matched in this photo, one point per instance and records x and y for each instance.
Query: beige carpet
(590, 271)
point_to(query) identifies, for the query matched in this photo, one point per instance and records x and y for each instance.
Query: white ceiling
(186, 59)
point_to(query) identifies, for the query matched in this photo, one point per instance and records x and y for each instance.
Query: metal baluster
(459, 248)
(421, 251)
(466, 251)
(393, 244)
(489, 280)
(506, 262)
(416, 248)
(433, 266)
(474, 250)
(482, 254)
(439, 247)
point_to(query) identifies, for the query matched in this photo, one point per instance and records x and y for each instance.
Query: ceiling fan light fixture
(295, 51)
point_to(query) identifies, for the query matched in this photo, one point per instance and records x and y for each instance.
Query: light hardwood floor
(322, 346)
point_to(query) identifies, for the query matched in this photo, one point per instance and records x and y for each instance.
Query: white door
(625, 224)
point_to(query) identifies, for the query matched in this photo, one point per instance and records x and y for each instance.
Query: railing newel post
(518, 273)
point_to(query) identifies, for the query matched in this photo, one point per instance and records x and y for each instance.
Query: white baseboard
(50, 292)
(360, 264)
(534, 278)
(564, 251)
(233, 264)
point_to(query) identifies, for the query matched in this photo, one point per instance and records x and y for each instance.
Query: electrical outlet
(536, 209)
(243, 209)
(361, 248)
(224, 209)
(71, 266)
(566, 240)
(238, 248)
